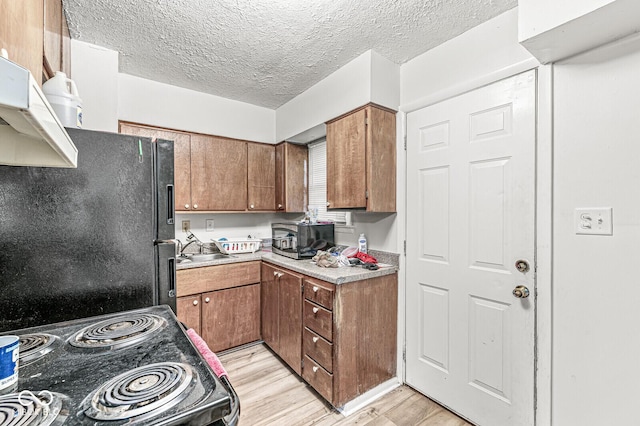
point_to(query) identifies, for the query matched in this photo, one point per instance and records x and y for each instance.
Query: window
(318, 184)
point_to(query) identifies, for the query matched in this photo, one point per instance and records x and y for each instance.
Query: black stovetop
(74, 370)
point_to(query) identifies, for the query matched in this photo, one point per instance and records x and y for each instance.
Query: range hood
(30, 132)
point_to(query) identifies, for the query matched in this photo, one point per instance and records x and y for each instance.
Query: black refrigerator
(88, 241)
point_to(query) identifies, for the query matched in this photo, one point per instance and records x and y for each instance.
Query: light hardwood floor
(270, 394)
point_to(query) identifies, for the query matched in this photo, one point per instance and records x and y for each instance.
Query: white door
(470, 218)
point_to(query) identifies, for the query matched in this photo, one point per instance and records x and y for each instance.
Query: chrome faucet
(192, 239)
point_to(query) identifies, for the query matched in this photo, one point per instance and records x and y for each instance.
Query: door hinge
(366, 121)
(405, 247)
(366, 194)
(302, 288)
(404, 353)
(405, 142)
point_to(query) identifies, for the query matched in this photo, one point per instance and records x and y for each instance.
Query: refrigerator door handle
(172, 277)
(170, 205)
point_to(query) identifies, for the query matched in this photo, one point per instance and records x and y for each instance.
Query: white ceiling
(265, 52)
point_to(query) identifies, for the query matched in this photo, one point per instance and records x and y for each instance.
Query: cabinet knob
(251, 206)
(186, 206)
(207, 300)
(315, 369)
(280, 274)
(315, 339)
(195, 206)
(275, 273)
(328, 204)
(315, 310)
(279, 206)
(315, 289)
(195, 302)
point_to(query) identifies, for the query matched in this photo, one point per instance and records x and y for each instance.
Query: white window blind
(318, 183)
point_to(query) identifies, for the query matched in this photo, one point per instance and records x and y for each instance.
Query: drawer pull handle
(315, 310)
(315, 339)
(315, 369)
(315, 289)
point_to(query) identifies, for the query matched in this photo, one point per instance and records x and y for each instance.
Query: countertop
(338, 276)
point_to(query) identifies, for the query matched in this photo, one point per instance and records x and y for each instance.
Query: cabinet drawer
(318, 293)
(318, 349)
(318, 319)
(318, 378)
(218, 277)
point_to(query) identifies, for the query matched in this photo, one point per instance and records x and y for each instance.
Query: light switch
(209, 225)
(594, 221)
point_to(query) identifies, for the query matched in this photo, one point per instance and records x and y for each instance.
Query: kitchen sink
(205, 257)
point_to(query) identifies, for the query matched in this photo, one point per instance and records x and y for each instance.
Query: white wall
(479, 56)
(150, 102)
(368, 78)
(595, 301)
(95, 71)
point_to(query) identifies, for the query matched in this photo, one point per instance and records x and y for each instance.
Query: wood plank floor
(271, 394)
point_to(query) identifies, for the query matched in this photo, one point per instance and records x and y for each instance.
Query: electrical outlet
(186, 225)
(209, 225)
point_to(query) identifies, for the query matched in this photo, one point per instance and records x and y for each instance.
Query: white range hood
(30, 132)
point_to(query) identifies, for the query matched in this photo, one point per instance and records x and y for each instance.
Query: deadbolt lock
(522, 266)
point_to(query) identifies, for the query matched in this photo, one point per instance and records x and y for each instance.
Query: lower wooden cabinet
(344, 335)
(282, 314)
(222, 303)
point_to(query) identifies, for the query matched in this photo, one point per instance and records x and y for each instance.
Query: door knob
(522, 266)
(521, 292)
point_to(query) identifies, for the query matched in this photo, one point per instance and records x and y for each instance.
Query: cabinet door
(52, 36)
(346, 161)
(290, 289)
(66, 47)
(296, 177)
(181, 159)
(21, 33)
(188, 311)
(280, 177)
(269, 307)
(261, 190)
(218, 173)
(231, 317)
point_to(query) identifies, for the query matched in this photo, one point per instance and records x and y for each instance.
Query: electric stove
(136, 368)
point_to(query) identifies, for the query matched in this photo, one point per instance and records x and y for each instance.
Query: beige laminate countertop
(340, 275)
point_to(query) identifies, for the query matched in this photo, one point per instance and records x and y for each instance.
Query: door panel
(471, 192)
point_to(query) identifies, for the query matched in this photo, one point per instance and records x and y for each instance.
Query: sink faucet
(192, 239)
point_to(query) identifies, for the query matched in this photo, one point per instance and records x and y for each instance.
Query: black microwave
(301, 240)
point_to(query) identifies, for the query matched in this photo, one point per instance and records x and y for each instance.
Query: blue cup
(9, 347)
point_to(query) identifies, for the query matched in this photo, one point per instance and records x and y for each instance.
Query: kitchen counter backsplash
(340, 275)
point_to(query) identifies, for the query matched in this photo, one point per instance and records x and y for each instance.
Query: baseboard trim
(369, 396)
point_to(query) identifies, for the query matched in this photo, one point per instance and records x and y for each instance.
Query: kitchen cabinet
(36, 35)
(261, 189)
(281, 304)
(291, 180)
(361, 160)
(181, 158)
(348, 332)
(218, 173)
(22, 35)
(222, 302)
(188, 308)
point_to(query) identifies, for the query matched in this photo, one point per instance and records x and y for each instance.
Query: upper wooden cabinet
(292, 168)
(261, 189)
(218, 173)
(53, 17)
(21, 33)
(361, 160)
(181, 159)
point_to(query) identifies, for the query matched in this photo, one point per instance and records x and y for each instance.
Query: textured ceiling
(266, 52)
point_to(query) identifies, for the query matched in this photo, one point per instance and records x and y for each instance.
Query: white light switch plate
(594, 221)
(209, 225)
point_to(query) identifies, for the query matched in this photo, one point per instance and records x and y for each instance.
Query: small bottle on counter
(362, 243)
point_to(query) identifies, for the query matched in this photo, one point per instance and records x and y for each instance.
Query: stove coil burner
(27, 409)
(151, 389)
(34, 347)
(118, 331)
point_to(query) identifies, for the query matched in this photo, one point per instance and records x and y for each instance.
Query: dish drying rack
(238, 245)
